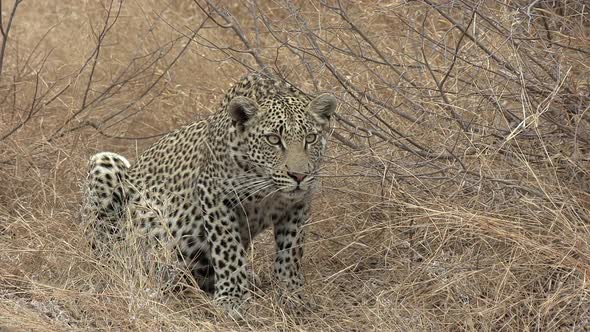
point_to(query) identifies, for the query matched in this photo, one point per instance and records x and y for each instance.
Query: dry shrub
(455, 194)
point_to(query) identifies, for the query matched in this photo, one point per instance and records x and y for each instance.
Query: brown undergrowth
(455, 194)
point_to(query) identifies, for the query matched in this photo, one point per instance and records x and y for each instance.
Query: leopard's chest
(256, 216)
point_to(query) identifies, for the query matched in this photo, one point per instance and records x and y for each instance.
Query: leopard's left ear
(242, 109)
(322, 108)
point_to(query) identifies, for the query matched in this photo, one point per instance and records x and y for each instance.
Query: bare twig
(5, 31)
(232, 23)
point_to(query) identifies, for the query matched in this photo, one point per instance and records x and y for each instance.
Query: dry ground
(455, 194)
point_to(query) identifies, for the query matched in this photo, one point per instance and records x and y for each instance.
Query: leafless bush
(479, 106)
(97, 100)
(461, 79)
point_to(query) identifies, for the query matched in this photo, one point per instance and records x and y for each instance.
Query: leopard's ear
(322, 108)
(242, 109)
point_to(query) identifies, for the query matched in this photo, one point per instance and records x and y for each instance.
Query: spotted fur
(210, 187)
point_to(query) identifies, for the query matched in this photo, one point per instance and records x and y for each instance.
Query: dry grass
(456, 190)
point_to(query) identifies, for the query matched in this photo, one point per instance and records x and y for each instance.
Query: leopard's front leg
(227, 254)
(289, 237)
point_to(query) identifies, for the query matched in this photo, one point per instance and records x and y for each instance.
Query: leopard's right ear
(322, 108)
(242, 109)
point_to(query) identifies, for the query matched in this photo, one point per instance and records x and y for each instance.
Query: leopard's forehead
(286, 115)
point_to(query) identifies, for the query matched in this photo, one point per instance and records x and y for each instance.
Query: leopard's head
(281, 140)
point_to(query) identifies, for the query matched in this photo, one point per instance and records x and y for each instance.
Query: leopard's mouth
(294, 193)
(294, 188)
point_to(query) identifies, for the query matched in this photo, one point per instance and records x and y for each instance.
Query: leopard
(207, 189)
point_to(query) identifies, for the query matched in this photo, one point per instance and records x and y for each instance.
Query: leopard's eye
(311, 138)
(273, 139)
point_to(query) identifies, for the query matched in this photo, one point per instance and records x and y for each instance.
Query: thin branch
(5, 31)
(233, 24)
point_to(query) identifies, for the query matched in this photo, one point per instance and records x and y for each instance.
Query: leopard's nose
(299, 177)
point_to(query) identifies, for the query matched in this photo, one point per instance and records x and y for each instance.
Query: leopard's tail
(105, 193)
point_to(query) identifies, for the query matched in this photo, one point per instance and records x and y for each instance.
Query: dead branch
(5, 31)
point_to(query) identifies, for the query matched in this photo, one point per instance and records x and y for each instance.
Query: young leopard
(210, 187)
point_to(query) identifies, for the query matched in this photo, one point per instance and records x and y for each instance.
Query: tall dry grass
(456, 189)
